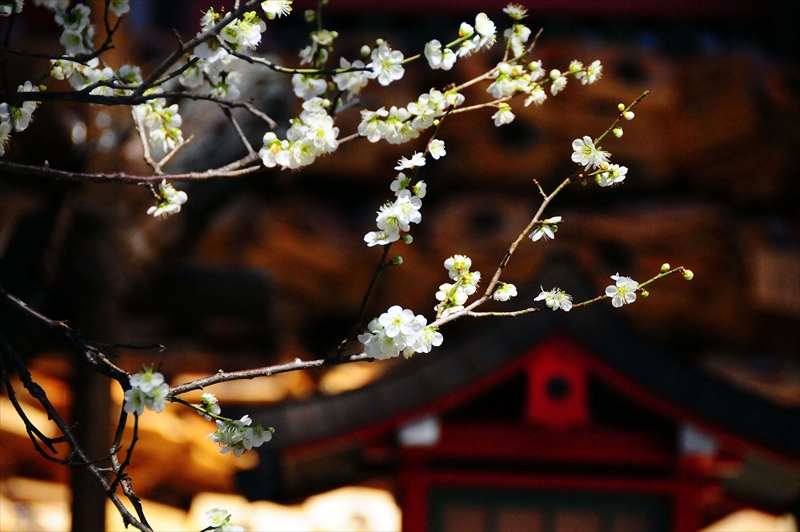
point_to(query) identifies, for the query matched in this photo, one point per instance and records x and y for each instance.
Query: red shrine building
(554, 423)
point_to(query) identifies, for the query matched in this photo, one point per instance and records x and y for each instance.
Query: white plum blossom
(438, 57)
(387, 64)
(220, 521)
(555, 299)
(246, 32)
(436, 149)
(517, 36)
(546, 228)
(19, 117)
(398, 331)
(487, 31)
(558, 84)
(5, 130)
(457, 265)
(239, 436)
(170, 201)
(503, 115)
(276, 8)
(307, 87)
(146, 380)
(417, 160)
(451, 293)
(397, 320)
(587, 154)
(623, 291)
(381, 238)
(371, 125)
(536, 96)
(119, 7)
(516, 11)
(591, 74)
(613, 175)
(148, 389)
(209, 405)
(354, 81)
(537, 72)
(504, 292)
(400, 183)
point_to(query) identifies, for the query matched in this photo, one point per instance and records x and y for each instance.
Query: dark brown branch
(76, 456)
(230, 170)
(363, 311)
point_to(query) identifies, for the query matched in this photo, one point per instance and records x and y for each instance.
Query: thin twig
(223, 376)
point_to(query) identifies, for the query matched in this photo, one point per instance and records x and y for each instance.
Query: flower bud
(665, 267)
(621, 107)
(365, 51)
(628, 115)
(407, 239)
(617, 131)
(555, 73)
(397, 261)
(310, 15)
(688, 275)
(378, 42)
(645, 293)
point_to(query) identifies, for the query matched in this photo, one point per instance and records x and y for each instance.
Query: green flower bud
(665, 267)
(397, 261)
(617, 131)
(310, 15)
(645, 293)
(621, 107)
(688, 275)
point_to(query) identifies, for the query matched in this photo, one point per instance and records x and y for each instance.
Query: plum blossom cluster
(13, 118)
(220, 520)
(470, 39)
(78, 31)
(481, 36)
(555, 299)
(211, 61)
(169, 202)
(239, 435)
(623, 291)
(453, 296)
(397, 331)
(398, 215)
(162, 124)
(399, 125)
(319, 50)
(148, 389)
(311, 135)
